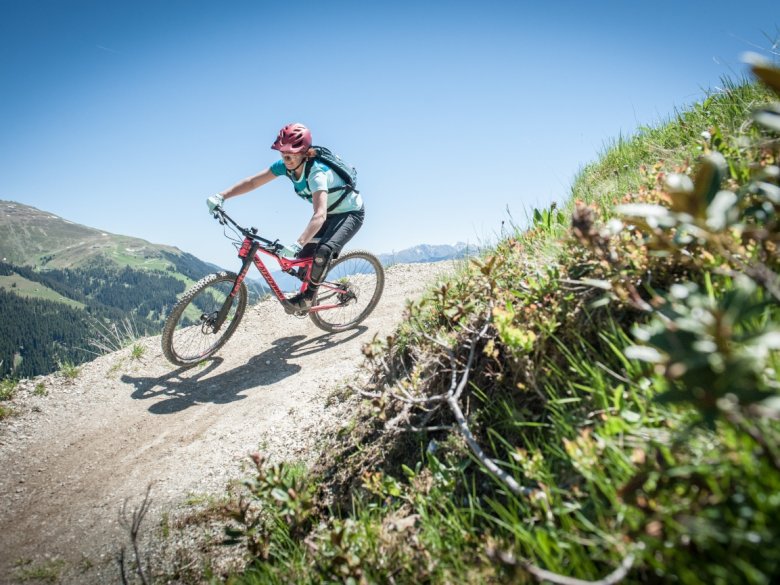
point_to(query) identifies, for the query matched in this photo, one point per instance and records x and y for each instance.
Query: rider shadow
(186, 387)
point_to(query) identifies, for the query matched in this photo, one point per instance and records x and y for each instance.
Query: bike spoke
(352, 288)
(190, 335)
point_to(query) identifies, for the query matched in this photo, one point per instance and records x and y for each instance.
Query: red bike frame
(249, 252)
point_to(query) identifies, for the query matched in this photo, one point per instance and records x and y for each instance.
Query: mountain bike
(209, 312)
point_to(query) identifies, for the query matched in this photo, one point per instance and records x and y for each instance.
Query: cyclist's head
(293, 138)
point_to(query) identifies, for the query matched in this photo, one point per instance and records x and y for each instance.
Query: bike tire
(187, 341)
(365, 278)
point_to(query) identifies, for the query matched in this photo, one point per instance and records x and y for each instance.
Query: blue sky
(125, 116)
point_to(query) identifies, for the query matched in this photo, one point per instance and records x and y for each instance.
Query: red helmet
(293, 138)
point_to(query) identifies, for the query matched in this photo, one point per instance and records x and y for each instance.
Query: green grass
(628, 163)
(127, 254)
(35, 290)
(620, 377)
(7, 388)
(137, 352)
(69, 370)
(45, 572)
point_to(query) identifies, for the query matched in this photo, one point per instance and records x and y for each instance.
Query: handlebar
(251, 233)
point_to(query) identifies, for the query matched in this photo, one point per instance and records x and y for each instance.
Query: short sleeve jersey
(321, 178)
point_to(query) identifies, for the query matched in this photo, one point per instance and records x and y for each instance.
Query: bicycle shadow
(186, 387)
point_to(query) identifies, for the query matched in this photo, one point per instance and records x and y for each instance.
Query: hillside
(63, 286)
(593, 401)
(31, 237)
(74, 445)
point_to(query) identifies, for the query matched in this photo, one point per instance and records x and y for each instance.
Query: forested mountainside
(65, 283)
(64, 309)
(62, 284)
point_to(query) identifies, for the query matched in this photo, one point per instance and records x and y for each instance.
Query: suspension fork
(247, 252)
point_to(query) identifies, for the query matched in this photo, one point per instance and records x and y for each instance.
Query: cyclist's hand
(215, 201)
(290, 251)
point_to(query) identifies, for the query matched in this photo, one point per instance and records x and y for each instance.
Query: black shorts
(337, 230)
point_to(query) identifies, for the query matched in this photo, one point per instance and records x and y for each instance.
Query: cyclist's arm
(249, 184)
(320, 202)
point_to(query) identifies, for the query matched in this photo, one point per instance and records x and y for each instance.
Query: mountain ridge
(33, 237)
(428, 253)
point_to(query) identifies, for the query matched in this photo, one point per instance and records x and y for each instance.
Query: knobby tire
(187, 338)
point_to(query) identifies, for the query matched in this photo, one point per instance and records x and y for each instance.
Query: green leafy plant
(138, 351)
(513, 429)
(69, 371)
(546, 219)
(717, 353)
(278, 500)
(47, 571)
(7, 388)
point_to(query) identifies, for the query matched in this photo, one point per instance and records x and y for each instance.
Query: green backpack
(347, 172)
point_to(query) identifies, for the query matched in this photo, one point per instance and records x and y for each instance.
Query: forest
(36, 336)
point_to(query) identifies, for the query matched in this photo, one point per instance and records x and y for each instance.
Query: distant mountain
(428, 253)
(31, 237)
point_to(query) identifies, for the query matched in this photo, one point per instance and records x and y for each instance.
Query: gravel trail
(72, 457)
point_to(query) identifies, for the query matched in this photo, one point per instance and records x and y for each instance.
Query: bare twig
(463, 427)
(615, 374)
(366, 394)
(452, 398)
(615, 577)
(401, 416)
(121, 561)
(456, 389)
(424, 429)
(133, 525)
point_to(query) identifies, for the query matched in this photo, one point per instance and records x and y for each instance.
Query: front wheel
(190, 334)
(349, 292)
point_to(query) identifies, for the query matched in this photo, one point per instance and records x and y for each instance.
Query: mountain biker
(328, 229)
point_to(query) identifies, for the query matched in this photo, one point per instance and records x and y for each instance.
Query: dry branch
(615, 577)
(452, 399)
(133, 525)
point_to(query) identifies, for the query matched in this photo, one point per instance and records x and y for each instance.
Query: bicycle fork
(247, 262)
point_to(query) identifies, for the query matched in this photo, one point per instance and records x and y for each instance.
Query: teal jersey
(321, 178)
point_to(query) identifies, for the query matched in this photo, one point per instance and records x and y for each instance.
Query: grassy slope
(34, 290)
(665, 467)
(29, 236)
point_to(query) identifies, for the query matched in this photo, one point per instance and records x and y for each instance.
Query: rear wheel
(351, 289)
(189, 334)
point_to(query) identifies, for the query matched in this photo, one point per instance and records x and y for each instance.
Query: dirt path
(71, 458)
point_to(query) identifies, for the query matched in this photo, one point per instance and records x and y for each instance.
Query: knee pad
(322, 255)
(320, 265)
